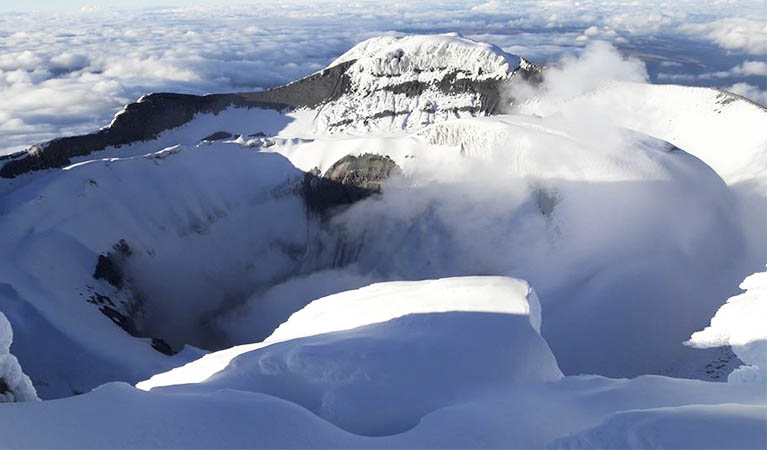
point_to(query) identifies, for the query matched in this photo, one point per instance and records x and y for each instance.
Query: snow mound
(419, 56)
(374, 361)
(740, 323)
(15, 386)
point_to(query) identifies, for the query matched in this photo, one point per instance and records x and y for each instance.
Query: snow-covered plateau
(430, 243)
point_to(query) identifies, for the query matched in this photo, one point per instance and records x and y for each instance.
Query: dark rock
(109, 309)
(107, 269)
(350, 179)
(218, 136)
(163, 347)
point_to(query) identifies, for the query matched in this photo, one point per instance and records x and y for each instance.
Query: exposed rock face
(413, 81)
(350, 179)
(218, 136)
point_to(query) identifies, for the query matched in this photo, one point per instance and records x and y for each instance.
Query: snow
(15, 386)
(398, 350)
(408, 56)
(478, 376)
(372, 304)
(384, 64)
(238, 252)
(171, 208)
(693, 426)
(724, 130)
(740, 323)
(594, 219)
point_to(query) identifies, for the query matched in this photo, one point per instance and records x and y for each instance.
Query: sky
(67, 66)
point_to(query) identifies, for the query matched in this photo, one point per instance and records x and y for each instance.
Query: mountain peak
(416, 55)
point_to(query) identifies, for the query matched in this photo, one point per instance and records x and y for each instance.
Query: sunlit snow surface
(403, 321)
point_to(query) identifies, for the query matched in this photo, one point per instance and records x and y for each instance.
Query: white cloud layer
(735, 33)
(66, 73)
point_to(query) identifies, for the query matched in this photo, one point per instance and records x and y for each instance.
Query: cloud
(757, 68)
(734, 33)
(749, 91)
(600, 64)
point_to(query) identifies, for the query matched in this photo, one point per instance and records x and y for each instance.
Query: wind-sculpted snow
(15, 386)
(398, 350)
(375, 304)
(740, 323)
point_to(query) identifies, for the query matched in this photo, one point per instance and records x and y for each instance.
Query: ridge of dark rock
(155, 113)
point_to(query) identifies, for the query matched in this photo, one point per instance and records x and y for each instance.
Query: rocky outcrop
(350, 179)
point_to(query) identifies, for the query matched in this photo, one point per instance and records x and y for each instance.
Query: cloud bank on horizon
(69, 72)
